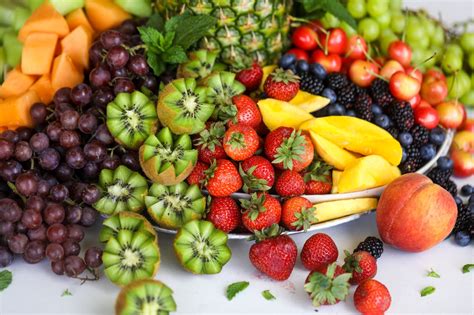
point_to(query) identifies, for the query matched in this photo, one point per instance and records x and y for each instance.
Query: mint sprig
(235, 288)
(433, 274)
(317, 8)
(66, 293)
(5, 279)
(467, 268)
(427, 291)
(268, 295)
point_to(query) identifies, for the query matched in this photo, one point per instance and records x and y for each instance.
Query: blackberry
(381, 93)
(360, 90)
(393, 131)
(336, 81)
(413, 161)
(363, 107)
(372, 245)
(401, 114)
(439, 176)
(464, 219)
(451, 187)
(421, 136)
(346, 95)
(311, 84)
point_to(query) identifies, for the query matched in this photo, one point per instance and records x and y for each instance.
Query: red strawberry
(362, 265)
(289, 149)
(240, 142)
(327, 286)
(257, 173)
(318, 178)
(251, 77)
(224, 213)
(282, 85)
(260, 212)
(209, 143)
(290, 183)
(372, 297)
(273, 254)
(198, 176)
(222, 178)
(318, 251)
(247, 112)
(297, 213)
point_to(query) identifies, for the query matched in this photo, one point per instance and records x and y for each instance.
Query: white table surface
(37, 290)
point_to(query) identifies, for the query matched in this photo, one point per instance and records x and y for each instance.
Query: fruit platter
(217, 120)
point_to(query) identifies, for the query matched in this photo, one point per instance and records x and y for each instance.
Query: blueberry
(404, 155)
(382, 121)
(458, 201)
(405, 139)
(428, 152)
(336, 109)
(330, 94)
(318, 70)
(376, 109)
(351, 113)
(292, 68)
(302, 66)
(287, 60)
(437, 136)
(445, 163)
(462, 238)
(467, 190)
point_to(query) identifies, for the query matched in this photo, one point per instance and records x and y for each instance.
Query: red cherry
(451, 114)
(305, 38)
(434, 90)
(435, 73)
(389, 68)
(334, 42)
(356, 47)
(315, 25)
(363, 72)
(299, 54)
(414, 72)
(403, 86)
(380, 61)
(423, 103)
(427, 117)
(401, 52)
(415, 101)
(331, 62)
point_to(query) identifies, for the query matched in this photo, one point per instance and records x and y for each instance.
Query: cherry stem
(375, 74)
(423, 62)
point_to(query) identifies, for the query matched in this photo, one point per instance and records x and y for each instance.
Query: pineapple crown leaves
(272, 231)
(291, 149)
(210, 138)
(254, 205)
(284, 76)
(351, 262)
(318, 171)
(251, 182)
(304, 218)
(324, 288)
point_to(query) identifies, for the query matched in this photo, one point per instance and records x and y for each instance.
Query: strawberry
(247, 112)
(224, 213)
(257, 173)
(209, 143)
(240, 142)
(362, 265)
(251, 77)
(289, 149)
(297, 213)
(372, 297)
(290, 183)
(260, 212)
(327, 286)
(318, 178)
(318, 251)
(222, 178)
(282, 85)
(273, 254)
(198, 176)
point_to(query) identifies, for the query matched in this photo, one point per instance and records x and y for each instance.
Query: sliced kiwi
(173, 206)
(131, 118)
(131, 256)
(145, 297)
(122, 190)
(200, 64)
(166, 158)
(124, 220)
(184, 107)
(201, 248)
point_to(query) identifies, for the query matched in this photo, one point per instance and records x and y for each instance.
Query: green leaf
(5, 279)
(175, 54)
(156, 21)
(433, 274)
(192, 29)
(66, 293)
(155, 62)
(335, 7)
(150, 36)
(427, 291)
(173, 23)
(311, 5)
(467, 268)
(268, 295)
(235, 288)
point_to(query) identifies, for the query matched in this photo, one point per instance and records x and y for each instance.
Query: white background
(36, 290)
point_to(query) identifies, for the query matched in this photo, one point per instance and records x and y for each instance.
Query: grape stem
(15, 191)
(94, 273)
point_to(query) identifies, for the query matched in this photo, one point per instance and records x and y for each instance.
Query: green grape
(472, 80)
(414, 31)
(348, 29)
(397, 23)
(458, 84)
(428, 25)
(455, 49)
(418, 55)
(386, 38)
(451, 62)
(395, 5)
(470, 60)
(369, 29)
(377, 7)
(384, 19)
(330, 21)
(468, 98)
(438, 36)
(467, 41)
(357, 8)
(423, 42)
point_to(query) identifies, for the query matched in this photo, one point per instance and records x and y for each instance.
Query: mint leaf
(433, 274)
(156, 21)
(427, 291)
(192, 29)
(235, 288)
(268, 295)
(175, 54)
(150, 36)
(66, 293)
(173, 23)
(311, 5)
(467, 268)
(5, 279)
(338, 10)
(155, 62)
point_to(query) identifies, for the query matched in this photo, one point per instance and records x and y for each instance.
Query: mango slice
(309, 102)
(266, 72)
(331, 153)
(336, 177)
(277, 113)
(330, 210)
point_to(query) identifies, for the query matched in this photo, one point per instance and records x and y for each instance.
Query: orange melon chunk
(44, 89)
(77, 18)
(16, 110)
(15, 83)
(44, 19)
(76, 44)
(105, 14)
(65, 73)
(38, 52)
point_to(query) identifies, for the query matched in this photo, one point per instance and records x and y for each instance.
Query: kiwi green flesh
(201, 248)
(145, 297)
(222, 86)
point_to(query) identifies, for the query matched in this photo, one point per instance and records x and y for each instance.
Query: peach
(414, 214)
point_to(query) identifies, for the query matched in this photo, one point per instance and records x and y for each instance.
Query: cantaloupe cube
(38, 53)
(16, 110)
(77, 18)
(44, 19)
(16, 83)
(65, 73)
(44, 89)
(76, 44)
(105, 14)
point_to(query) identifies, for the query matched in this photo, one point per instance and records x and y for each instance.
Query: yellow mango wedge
(331, 153)
(309, 102)
(331, 210)
(336, 177)
(367, 172)
(277, 113)
(266, 72)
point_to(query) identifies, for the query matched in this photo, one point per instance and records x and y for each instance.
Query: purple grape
(75, 158)
(57, 233)
(23, 151)
(111, 162)
(90, 170)
(150, 82)
(17, 243)
(123, 85)
(53, 130)
(54, 213)
(38, 113)
(93, 257)
(58, 193)
(49, 159)
(117, 57)
(39, 142)
(69, 139)
(111, 38)
(10, 135)
(103, 135)
(100, 76)
(7, 149)
(89, 216)
(34, 252)
(7, 228)
(25, 133)
(91, 194)
(10, 170)
(87, 123)
(10, 211)
(35, 203)
(95, 151)
(81, 94)
(69, 119)
(75, 232)
(73, 214)
(58, 267)
(95, 53)
(31, 219)
(38, 234)
(128, 27)
(27, 184)
(103, 96)
(64, 172)
(6, 257)
(138, 65)
(62, 96)
(71, 248)
(55, 252)
(74, 266)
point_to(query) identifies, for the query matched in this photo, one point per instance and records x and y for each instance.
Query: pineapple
(246, 30)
